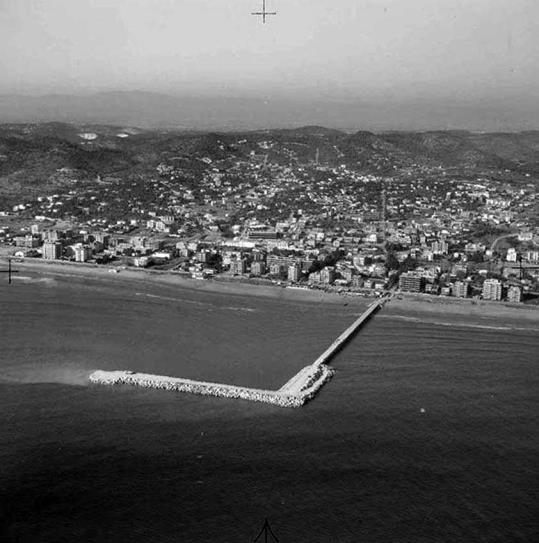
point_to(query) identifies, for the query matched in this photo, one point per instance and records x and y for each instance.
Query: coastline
(404, 303)
(438, 305)
(156, 277)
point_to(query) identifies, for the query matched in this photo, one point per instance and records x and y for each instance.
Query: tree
(392, 262)
(476, 257)
(408, 264)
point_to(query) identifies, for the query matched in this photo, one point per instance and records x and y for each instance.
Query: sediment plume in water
(35, 373)
(295, 393)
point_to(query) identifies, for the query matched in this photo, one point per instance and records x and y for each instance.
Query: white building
(293, 273)
(514, 294)
(492, 290)
(82, 252)
(511, 255)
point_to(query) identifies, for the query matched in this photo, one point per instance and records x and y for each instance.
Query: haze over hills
(153, 110)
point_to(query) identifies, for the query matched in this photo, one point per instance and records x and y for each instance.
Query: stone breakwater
(299, 390)
(295, 393)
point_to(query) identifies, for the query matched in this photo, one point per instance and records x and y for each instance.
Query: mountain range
(206, 112)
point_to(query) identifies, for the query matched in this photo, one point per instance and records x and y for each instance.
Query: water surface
(427, 432)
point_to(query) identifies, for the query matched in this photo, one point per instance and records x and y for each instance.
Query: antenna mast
(266, 530)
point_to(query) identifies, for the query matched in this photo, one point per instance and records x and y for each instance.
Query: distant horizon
(372, 64)
(148, 109)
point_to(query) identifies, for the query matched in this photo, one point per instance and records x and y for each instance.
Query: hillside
(41, 156)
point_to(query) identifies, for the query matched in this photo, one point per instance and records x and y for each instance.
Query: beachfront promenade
(295, 393)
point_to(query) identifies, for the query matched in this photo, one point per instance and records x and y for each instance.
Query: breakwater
(299, 390)
(295, 393)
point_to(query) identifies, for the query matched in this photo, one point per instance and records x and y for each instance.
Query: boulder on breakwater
(305, 386)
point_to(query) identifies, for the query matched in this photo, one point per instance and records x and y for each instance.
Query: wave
(194, 302)
(457, 324)
(247, 309)
(28, 279)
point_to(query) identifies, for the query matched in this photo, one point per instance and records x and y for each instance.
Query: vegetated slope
(446, 148)
(518, 147)
(36, 156)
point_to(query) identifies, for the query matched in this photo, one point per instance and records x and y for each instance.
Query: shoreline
(437, 305)
(396, 304)
(158, 277)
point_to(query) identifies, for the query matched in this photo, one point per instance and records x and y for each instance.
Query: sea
(427, 432)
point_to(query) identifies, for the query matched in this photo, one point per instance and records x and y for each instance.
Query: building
(411, 282)
(52, 250)
(52, 235)
(259, 256)
(82, 252)
(347, 274)
(102, 238)
(28, 242)
(327, 275)
(511, 255)
(283, 261)
(264, 235)
(238, 266)
(439, 247)
(461, 289)
(532, 256)
(154, 244)
(276, 270)
(258, 268)
(514, 294)
(445, 291)
(293, 273)
(203, 256)
(492, 289)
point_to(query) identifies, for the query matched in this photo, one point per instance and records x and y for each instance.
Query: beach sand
(441, 305)
(231, 287)
(401, 303)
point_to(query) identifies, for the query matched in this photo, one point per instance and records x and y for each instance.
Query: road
(493, 245)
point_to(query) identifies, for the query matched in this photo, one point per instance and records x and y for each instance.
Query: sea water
(427, 432)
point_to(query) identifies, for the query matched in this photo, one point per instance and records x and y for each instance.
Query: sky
(434, 50)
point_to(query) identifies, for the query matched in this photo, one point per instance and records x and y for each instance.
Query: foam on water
(194, 302)
(460, 324)
(44, 373)
(50, 281)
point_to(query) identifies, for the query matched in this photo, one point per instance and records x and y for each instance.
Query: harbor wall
(312, 378)
(296, 392)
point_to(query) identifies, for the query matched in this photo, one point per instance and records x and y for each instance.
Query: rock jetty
(295, 393)
(299, 390)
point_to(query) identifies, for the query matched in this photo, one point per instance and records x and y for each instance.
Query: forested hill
(32, 154)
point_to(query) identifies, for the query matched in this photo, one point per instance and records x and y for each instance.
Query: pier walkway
(296, 392)
(339, 343)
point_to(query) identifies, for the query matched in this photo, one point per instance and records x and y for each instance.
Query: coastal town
(267, 211)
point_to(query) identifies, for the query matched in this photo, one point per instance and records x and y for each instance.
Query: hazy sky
(469, 49)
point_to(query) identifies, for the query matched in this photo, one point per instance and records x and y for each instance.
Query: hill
(43, 155)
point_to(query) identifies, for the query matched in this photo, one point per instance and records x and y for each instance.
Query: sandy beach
(441, 305)
(231, 287)
(401, 303)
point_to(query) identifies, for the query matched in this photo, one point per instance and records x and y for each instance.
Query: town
(270, 211)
